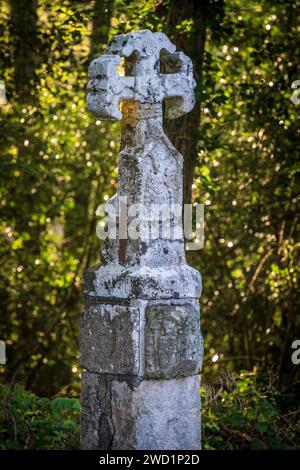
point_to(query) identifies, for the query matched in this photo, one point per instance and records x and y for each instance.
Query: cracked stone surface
(106, 331)
(151, 173)
(141, 345)
(147, 414)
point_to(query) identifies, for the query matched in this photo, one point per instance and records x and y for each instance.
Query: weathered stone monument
(141, 346)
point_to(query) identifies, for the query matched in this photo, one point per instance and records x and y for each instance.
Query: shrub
(30, 422)
(240, 414)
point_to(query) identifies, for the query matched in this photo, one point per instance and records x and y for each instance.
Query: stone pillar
(141, 346)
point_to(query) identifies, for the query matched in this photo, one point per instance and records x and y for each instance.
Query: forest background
(58, 163)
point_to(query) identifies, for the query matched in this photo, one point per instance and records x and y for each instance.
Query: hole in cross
(169, 63)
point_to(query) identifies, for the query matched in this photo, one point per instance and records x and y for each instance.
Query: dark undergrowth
(237, 413)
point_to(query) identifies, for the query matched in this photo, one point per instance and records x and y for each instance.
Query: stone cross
(141, 347)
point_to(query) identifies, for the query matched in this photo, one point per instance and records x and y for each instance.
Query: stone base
(141, 385)
(131, 413)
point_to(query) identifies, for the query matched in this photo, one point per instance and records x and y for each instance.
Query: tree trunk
(25, 47)
(101, 26)
(184, 132)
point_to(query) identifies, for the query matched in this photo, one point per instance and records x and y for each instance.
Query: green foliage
(241, 414)
(247, 177)
(30, 422)
(56, 168)
(58, 163)
(237, 414)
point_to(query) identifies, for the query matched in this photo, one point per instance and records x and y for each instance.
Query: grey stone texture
(173, 346)
(109, 341)
(146, 414)
(146, 85)
(141, 346)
